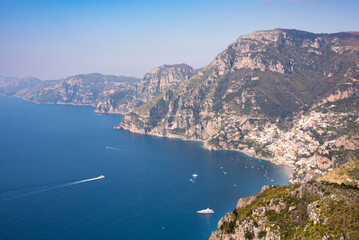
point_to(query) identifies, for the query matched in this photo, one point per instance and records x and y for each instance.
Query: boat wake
(120, 149)
(29, 191)
(87, 180)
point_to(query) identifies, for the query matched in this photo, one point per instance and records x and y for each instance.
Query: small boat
(206, 211)
(195, 175)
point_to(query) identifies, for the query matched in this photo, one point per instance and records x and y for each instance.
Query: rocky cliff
(288, 96)
(153, 84)
(313, 210)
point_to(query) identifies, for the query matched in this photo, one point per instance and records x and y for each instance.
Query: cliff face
(313, 210)
(153, 84)
(164, 77)
(283, 95)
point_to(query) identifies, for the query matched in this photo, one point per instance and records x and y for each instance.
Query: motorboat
(206, 211)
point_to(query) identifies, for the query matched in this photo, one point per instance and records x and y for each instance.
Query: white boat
(206, 211)
(195, 175)
(100, 177)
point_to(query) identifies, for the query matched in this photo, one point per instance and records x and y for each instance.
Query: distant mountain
(312, 210)
(108, 93)
(7, 79)
(284, 95)
(9, 86)
(84, 89)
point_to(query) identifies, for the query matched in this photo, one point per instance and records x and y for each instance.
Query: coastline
(289, 169)
(65, 103)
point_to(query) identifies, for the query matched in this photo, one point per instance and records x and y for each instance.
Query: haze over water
(51, 155)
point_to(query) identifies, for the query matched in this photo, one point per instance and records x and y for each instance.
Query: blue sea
(47, 150)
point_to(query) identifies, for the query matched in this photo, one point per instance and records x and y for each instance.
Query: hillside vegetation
(347, 174)
(313, 210)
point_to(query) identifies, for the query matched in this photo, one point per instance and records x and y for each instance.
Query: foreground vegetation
(313, 210)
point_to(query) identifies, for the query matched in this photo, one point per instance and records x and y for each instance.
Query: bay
(146, 193)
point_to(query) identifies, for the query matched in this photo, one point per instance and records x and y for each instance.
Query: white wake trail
(55, 187)
(87, 180)
(120, 149)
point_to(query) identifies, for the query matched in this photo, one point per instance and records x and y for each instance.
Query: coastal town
(307, 148)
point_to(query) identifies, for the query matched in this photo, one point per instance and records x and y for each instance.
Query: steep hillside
(346, 174)
(153, 84)
(313, 210)
(284, 95)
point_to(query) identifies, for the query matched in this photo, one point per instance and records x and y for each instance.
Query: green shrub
(248, 234)
(262, 234)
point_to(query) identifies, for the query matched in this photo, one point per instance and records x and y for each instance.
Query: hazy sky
(54, 39)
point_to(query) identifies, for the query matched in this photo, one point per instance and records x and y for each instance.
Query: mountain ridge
(265, 85)
(107, 93)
